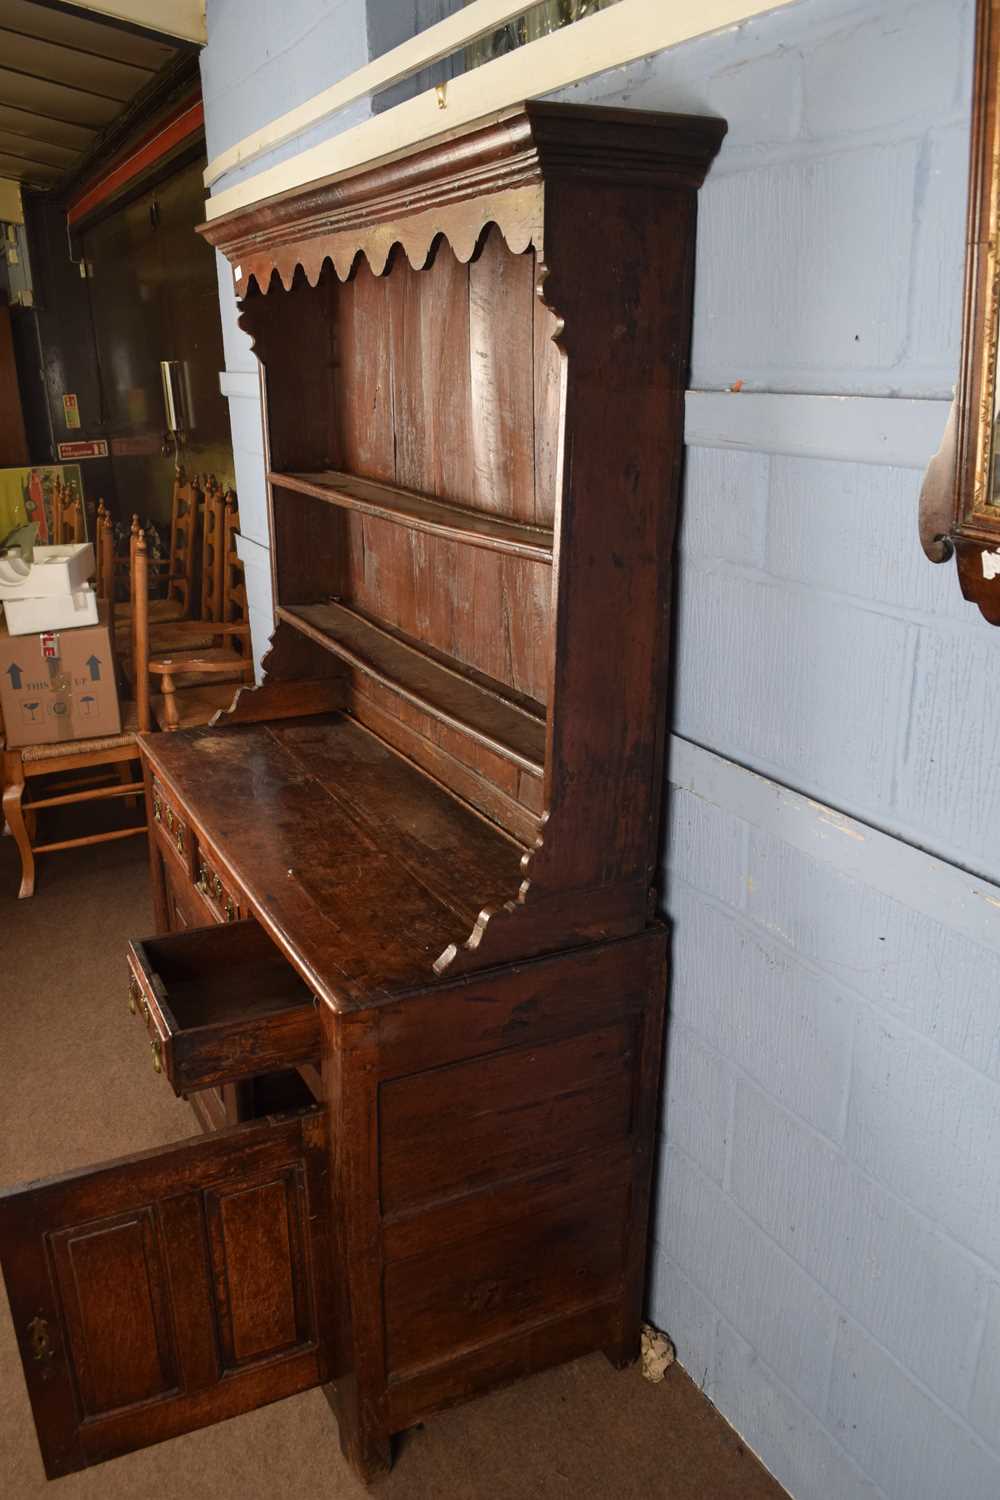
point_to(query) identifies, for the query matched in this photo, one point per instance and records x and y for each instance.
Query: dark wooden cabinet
(408, 969)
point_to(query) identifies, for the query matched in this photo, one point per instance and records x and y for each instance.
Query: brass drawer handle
(202, 881)
(170, 820)
(134, 993)
(156, 1047)
(157, 809)
(179, 837)
(217, 886)
(230, 909)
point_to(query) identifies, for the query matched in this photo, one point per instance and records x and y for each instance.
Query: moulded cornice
(492, 172)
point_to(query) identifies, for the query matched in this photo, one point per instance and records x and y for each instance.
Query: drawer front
(220, 1003)
(184, 906)
(203, 889)
(142, 1002)
(216, 889)
(170, 826)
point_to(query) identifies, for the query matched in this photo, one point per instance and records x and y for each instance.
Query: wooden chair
(104, 556)
(67, 514)
(196, 680)
(183, 542)
(176, 571)
(84, 771)
(234, 589)
(212, 551)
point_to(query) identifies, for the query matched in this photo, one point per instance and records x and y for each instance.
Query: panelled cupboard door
(165, 1291)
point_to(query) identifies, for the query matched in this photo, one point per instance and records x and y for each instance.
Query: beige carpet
(76, 1087)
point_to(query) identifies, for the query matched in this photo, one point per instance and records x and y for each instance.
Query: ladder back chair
(175, 588)
(195, 680)
(212, 551)
(67, 514)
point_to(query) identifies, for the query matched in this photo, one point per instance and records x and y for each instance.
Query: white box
(61, 612)
(54, 570)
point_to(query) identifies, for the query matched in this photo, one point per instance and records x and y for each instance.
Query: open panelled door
(169, 1290)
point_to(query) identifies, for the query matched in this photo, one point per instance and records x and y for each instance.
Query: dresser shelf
(423, 513)
(452, 694)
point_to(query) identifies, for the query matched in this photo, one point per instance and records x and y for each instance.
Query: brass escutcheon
(230, 909)
(202, 881)
(157, 809)
(179, 838)
(41, 1344)
(134, 993)
(156, 1047)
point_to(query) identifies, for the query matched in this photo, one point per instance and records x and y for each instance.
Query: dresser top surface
(361, 868)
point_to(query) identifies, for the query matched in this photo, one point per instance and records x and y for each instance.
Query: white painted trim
(240, 383)
(251, 552)
(856, 429)
(939, 891)
(607, 39)
(418, 52)
(181, 18)
(861, 429)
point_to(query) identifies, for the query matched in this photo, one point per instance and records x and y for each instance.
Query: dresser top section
(361, 869)
(493, 170)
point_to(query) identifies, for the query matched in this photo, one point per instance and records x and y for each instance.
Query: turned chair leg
(13, 791)
(126, 779)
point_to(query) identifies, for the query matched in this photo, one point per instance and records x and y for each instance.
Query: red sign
(96, 449)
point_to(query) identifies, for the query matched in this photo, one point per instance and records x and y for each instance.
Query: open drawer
(221, 1003)
(162, 1292)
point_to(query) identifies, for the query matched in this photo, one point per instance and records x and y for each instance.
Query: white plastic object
(55, 570)
(59, 612)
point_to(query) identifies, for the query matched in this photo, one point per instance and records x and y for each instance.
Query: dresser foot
(364, 1441)
(623, 1352)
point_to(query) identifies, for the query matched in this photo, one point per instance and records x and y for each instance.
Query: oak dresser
(408, 968)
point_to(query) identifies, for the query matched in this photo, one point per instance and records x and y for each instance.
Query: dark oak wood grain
(115, 1292)
(422, 513)
(460, 698)
(223, 1004)
(361, 887)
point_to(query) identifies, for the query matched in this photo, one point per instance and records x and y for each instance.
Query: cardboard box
(61, 612)
(58, 685)
(53, 570)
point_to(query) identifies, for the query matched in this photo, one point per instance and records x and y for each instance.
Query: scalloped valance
(495, 171)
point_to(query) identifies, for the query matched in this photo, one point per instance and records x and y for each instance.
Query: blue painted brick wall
(827, 1234)
(828, 1222)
